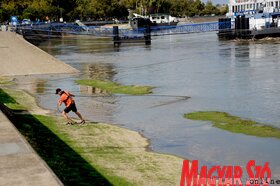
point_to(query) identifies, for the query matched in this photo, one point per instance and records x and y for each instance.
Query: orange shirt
(66, 99)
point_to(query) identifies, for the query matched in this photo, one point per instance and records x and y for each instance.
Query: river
(238, 77)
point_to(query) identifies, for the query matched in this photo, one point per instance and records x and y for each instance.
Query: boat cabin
(162, 18)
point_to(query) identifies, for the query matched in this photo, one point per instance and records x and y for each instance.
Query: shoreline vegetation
(116, 88)
(225, 121)
(89, 154)
(71, 10)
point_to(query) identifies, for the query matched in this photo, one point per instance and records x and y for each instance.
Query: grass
(235, 124)
(67, 164)
(41, 132)
(9, 101)
(23, 99)
(94, 153)
(5, 81)
(116, 88)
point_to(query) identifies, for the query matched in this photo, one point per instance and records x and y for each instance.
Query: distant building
(239, 6)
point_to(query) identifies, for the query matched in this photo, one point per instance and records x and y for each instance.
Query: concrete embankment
(18, 57)
(19, 163)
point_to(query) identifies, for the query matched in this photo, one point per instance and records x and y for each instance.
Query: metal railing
(99, 31)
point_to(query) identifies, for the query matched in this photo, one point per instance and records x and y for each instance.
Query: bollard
(116, 37)
(147, 35)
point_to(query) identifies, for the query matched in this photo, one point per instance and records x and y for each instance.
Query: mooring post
(147, 35)
(116, 37)
(49, 30)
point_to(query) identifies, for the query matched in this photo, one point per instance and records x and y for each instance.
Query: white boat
(251, 19)
(154, 20)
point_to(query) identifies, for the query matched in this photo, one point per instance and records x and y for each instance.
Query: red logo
(224, 175)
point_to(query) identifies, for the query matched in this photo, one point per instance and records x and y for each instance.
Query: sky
(218, 1)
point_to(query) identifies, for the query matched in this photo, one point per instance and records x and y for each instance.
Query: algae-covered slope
(116, 88)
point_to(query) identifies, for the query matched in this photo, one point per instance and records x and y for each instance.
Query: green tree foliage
(180, 7)
(224, 10)
(198, 7)
(102, 9)
(210, 9)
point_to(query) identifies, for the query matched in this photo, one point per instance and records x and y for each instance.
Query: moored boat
(251, 19)
(154, 20)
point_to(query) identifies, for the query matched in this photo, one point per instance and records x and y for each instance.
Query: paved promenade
(18, 57)
(19, 163)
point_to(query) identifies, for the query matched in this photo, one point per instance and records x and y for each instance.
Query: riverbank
(18, 57)
(118, 154)
(99, 153)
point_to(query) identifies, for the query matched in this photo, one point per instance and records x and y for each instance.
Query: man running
(66, 98)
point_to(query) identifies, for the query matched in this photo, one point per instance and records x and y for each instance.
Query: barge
(251, 19)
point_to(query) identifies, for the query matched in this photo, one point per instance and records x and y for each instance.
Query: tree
(118, 9)
(210, 9)
(190, 10)
(224, 10)
(82, 8)
(198, 7)
(180, 7)
(100, 9)
(30, 13)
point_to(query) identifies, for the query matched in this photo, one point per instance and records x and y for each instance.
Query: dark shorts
(71, 107)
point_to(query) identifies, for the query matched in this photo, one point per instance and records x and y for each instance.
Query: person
(66, 98)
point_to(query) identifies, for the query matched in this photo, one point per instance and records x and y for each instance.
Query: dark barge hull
(249, 34)
(39, 33)
(267, 32)
(235, 34)
(36, 37)
(242, 31)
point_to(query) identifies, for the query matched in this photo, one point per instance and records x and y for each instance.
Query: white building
(237, 6)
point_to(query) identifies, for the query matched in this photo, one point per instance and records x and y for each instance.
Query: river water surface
(238, 77)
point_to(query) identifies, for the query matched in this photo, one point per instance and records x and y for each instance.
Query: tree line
(102, 9)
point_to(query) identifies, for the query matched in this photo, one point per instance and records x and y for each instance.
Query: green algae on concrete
(116, 88)
(235, 124)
